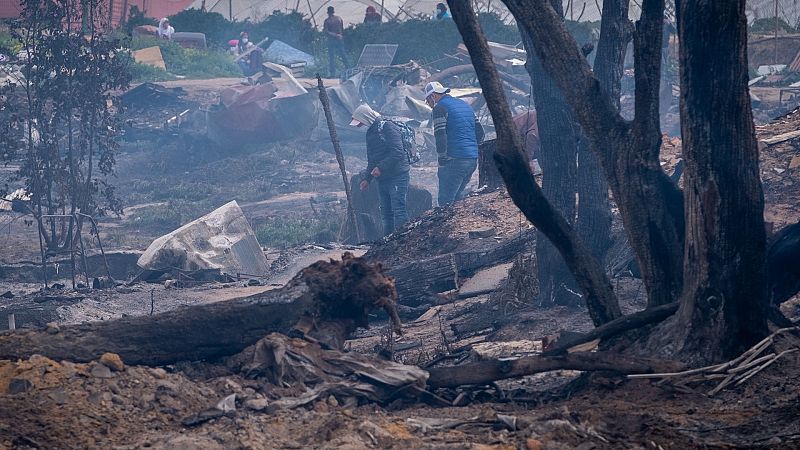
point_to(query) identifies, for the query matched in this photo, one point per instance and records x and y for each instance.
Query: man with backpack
(389, 159)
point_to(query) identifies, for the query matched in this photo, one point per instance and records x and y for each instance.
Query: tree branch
(620, 325)
(647, 40)
(484, 372)
(600, 298)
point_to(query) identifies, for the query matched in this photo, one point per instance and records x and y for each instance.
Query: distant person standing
(372, 16)
(457, 133)
(334, 29)
(165, 31)
(387, 162)
(441, 12)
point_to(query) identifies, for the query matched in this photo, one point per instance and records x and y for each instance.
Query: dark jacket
(385, 150)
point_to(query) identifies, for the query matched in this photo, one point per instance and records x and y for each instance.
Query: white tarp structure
(351, 11)
(788, 10)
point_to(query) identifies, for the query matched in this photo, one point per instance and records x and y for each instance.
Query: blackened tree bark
(651, 205)
(718, 275)
(513, 165)
(594, 211)
(723, 306)
(559, 136)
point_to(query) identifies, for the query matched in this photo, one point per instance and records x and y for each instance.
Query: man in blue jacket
(387, 162)
(458, 133)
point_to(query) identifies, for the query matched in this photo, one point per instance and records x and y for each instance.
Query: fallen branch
(617, 326)
(484, 372)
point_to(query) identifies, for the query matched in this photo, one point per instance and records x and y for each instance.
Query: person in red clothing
(372, 16)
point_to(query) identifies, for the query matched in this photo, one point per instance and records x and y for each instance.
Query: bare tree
(594, 209)
(650, 203)
(718, 279)
(65, 121)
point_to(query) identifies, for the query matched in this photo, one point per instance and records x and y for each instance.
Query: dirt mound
(446, 230)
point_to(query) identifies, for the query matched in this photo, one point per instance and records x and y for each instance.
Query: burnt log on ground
(325, 301)
(418, 282)
(485, 372)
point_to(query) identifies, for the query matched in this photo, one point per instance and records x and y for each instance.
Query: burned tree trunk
(326, 301)
(594, 210)
(513, 165)
(559, 136)
(488, 175)
(723, 307)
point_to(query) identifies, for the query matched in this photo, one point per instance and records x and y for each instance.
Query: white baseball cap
(435, 87)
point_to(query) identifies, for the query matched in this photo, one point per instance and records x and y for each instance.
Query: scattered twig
(735, 371)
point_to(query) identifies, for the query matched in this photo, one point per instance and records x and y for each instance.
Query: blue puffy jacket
(455, 117)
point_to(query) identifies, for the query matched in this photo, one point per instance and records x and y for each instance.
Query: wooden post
(12, 322)
(323, 98)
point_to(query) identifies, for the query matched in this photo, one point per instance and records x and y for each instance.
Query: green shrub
(144, 73)
(218, 29)
(281, 232)
(189, 62)
(767, 25)
(8, 45)
(137, 18)
(424, 40)
(292, 28)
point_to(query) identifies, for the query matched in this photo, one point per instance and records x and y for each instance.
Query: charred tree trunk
(326, 301)
(559, 136)
(594, 209)
(650, 203)
(516, 171)
(488, 175)
(723, 306)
